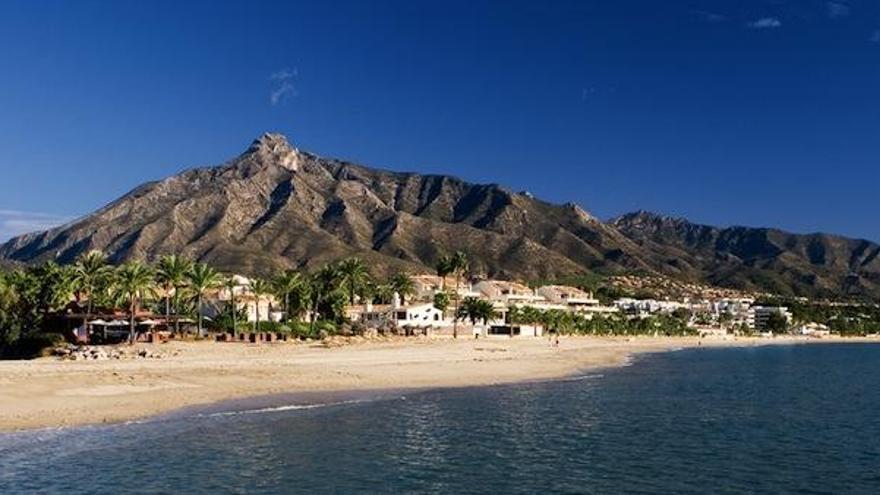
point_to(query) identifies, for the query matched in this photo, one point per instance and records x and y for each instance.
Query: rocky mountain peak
(275, 148)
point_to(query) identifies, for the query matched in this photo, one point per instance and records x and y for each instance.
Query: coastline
(50, 393)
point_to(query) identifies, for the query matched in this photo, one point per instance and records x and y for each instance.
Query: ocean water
(788, 419)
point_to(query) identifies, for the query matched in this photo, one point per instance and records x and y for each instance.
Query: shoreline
(50, 393)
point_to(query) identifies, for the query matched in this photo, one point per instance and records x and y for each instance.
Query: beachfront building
(574, 299)
(762, 315)
(421, 318)
(426, 286)
(217, 300)
(737, 311)
(814, 330)
(506, 294)
(570, 297)
(646, 307)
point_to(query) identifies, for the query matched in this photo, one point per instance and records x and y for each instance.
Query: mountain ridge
(274, 207)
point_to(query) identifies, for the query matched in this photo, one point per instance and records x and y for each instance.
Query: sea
(771, 419)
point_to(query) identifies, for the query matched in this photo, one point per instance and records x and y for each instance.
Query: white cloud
(765, 23)
(282, 86)
(836, 10)
(711, 17)
(14, 223)
(284, 74)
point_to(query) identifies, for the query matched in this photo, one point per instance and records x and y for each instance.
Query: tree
(90, 273)
(354, 276)
(458, 265)
(231, 284)
(441, 301)
(291, 288)
(322, 285)
(444, 268)
(776, 322)
(403, 285)
(476, 310)
(201, 278)
(172, 277)
(134, 280)
(382, 293)
(9, 323)
(260, 289)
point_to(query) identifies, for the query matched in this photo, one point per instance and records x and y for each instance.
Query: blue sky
(748, 112)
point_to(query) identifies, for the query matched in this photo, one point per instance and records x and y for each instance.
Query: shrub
(33, 345)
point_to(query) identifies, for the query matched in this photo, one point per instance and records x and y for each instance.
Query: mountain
(817, 265)
(275, 206)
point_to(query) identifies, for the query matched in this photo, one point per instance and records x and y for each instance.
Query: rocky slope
(757, 258)
(275, 206)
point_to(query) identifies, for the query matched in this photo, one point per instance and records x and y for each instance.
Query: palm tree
(90, 273)
(444, 268)
(290, 284)
(202, 278)
(458, 265)
(134, 280)
(403, 285)
(354, 276)
(231, 283)
(172, 277)
(259, 288)
(323, 283)
(476, 310)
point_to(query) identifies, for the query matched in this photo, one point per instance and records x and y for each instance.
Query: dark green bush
(33, 346)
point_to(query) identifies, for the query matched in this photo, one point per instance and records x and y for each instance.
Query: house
(814, 330)
(426, 286)
(509, 293)
(216, 301)
(574, 299)
(417, 315)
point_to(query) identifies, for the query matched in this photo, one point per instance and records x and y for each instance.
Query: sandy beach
(49, 392)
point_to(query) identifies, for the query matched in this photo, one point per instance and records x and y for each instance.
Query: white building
(644, 307)
(814, 330)
(423, 316)
(763, 314)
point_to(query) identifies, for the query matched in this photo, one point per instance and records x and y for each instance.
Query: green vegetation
(849, 319)
(36, 302)
(476, 310)
(33, 299)
(441, 301)
(457, 265)
(564, 322)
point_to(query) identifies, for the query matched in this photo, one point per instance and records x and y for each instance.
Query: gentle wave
(288, 407)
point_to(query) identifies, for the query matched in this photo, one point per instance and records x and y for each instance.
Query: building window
(401, 315)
